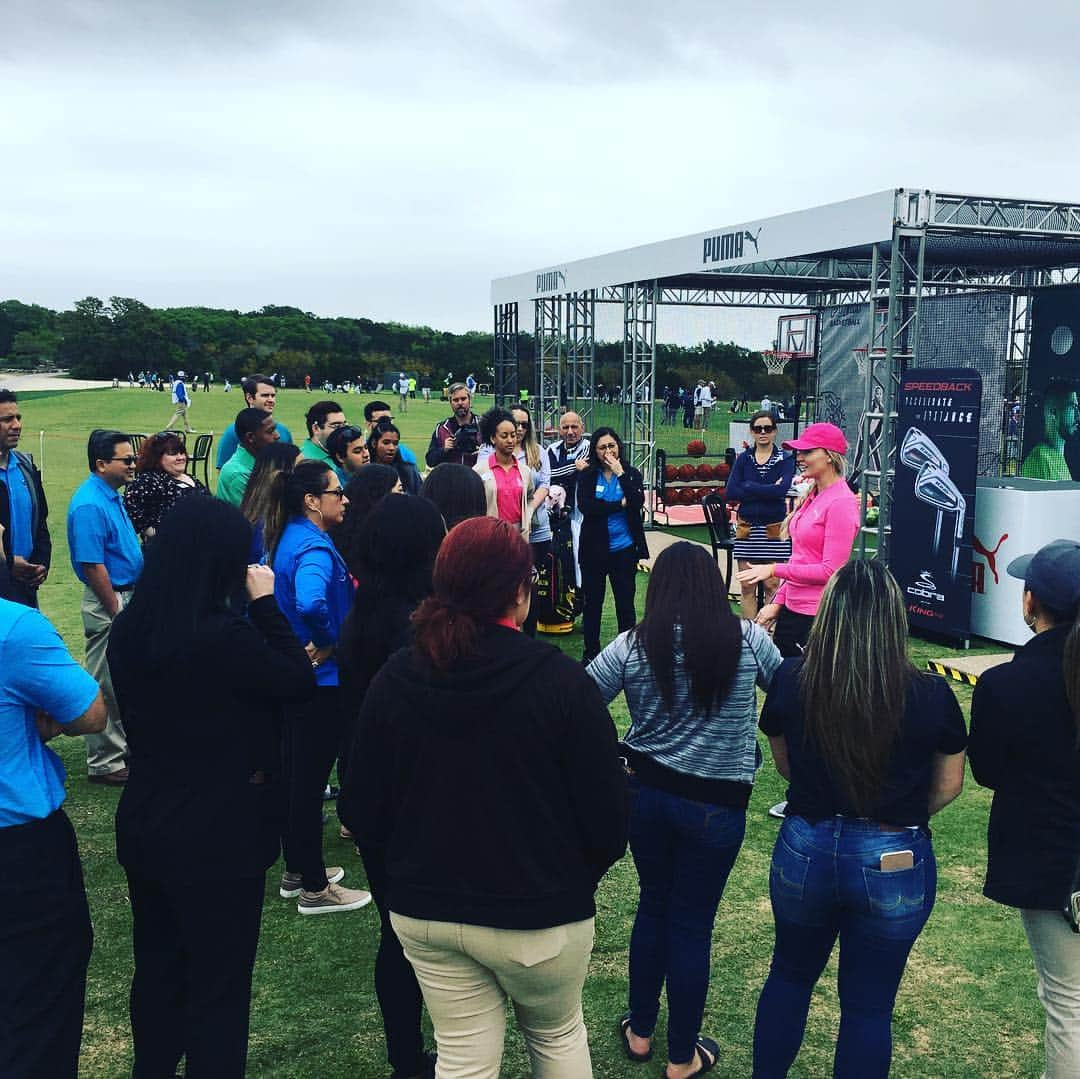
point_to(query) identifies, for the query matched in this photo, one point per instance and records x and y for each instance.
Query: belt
(122, 587)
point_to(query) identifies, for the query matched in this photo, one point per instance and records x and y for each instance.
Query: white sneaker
(331, 899)
(779, 810)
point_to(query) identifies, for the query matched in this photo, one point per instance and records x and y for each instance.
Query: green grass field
(966, 1007)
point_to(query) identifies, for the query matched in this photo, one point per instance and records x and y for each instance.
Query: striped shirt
(720, 744)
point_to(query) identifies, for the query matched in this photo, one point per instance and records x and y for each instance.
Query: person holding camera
(1028, 756)
(457, 438)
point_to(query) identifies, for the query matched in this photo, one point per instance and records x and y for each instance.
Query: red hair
(155, 447)
(480, 567)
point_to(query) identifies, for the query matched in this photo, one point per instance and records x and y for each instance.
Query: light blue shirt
(20, 525)
(99, 530)
(38, 673)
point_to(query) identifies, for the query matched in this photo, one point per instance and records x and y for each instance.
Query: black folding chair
(721, 535)
(201, 452)
(136, 442)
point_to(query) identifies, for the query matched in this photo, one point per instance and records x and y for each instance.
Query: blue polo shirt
(38, 673)
(20, 527)
(99, 530)
(619, 537)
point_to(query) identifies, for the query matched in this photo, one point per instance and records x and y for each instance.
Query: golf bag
(556, 594)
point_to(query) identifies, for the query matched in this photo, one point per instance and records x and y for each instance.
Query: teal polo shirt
(234, 476)
(312, 451)
(99, 530)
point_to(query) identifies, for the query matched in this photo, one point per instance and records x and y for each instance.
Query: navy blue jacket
(1023, 746)
(760, 503)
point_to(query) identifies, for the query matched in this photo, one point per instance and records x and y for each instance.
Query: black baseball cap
(1052, 574)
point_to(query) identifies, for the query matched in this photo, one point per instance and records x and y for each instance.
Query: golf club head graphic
(919, 450)
(933, 486)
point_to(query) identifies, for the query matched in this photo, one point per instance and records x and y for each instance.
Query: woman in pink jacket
(822, 530)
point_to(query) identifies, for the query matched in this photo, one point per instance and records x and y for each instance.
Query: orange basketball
(687, 496)
(686, 472)
(696, 448)
(670, 473)
(722, 470)
(704, 472)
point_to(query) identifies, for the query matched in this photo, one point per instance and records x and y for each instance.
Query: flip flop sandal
(624, 1027)
(707, 1051)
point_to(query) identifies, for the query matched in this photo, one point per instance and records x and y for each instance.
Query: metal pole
(41, 453)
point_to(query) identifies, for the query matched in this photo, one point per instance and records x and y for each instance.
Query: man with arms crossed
(45, 934)
(259, 392)
(24, 513)
(569, 457)
(107, 558)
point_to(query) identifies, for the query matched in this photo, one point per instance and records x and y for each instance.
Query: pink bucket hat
(819, 436)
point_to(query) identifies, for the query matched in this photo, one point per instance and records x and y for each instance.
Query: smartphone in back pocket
(897, 859)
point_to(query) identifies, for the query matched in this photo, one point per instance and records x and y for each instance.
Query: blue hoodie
(313, 589)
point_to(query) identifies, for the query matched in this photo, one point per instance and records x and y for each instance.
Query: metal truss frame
(549, 354)
(891, 350)
(894, 278)
(581, 353)
(639, 382)
(507, 345)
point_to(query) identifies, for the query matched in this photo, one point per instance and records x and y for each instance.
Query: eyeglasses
(129, 460)
(337, 492)
(758, 429)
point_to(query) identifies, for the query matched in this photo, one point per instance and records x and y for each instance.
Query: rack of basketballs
(689, 483)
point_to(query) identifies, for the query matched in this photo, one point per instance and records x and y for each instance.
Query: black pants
(792, 630)
(621, 568)
(396, 987)
(540, 551)
(191, 993)
(45, 942)
(315, 733)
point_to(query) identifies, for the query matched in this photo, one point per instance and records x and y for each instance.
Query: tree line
(107, 339)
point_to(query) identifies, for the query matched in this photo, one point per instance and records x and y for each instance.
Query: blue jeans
(825, 881)
(684, 852)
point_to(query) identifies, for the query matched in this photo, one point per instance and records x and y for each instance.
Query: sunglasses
(129, 460)
(337, 492)
(758, 429)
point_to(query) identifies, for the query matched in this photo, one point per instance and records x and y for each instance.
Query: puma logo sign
(990, 556)
(752, 237)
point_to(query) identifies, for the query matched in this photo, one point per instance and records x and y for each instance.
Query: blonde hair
(529, 443)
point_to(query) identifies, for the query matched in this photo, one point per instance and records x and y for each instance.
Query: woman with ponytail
(485, 779)
(1025, 718)
(314, 591)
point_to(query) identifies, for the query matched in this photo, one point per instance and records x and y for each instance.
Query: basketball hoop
(862, 357)
(775, 362)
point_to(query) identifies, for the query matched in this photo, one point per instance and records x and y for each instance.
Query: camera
(467, 438)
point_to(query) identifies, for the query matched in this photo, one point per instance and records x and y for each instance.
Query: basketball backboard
(796, 335)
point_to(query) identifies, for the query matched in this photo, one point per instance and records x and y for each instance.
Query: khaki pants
(1056, 951)
(105, 752)
(467, 972)
(179, 414)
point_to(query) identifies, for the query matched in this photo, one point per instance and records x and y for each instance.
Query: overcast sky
(389, 160)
